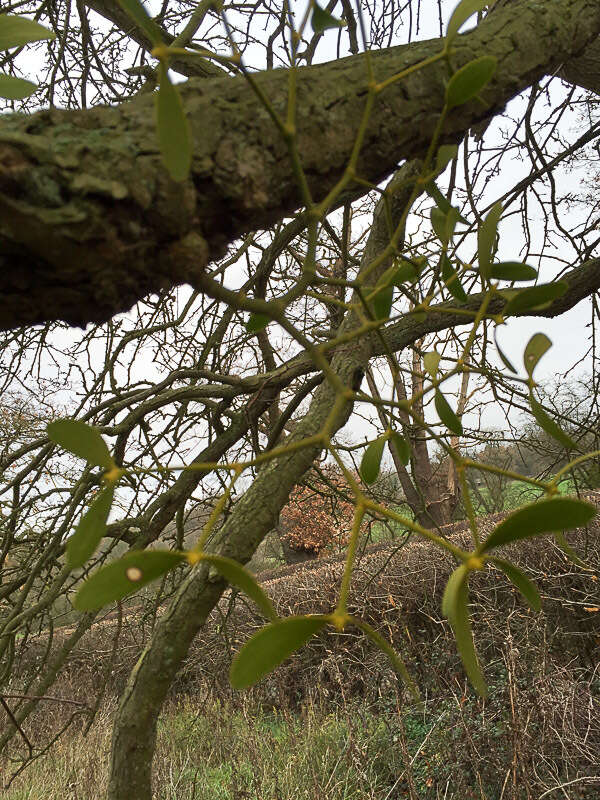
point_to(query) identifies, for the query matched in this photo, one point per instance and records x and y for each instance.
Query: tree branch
(90, 222)
(192, 67)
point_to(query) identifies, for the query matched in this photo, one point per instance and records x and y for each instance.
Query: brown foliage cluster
(319, 513)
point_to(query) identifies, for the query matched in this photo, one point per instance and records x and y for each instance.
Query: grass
(214, 750)
(217, 752)
(516, 494)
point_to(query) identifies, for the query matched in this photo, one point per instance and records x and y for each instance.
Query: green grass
(218, 753)
(516, 494)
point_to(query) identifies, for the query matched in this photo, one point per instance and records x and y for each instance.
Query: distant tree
(576, 402)
(318, 516)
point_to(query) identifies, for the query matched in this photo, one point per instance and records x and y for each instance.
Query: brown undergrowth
(540, 727)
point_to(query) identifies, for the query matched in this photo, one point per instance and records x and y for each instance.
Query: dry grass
(539, 729)
(212, 751)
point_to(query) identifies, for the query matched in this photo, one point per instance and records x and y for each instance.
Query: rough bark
(582, 71)
(90, 222)
(585, 70)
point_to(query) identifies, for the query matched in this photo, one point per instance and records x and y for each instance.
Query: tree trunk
(254, 515)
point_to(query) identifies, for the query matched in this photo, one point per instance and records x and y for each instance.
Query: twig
(12, 718)
(39, 697)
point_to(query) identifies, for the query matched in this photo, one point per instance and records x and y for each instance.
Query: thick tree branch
(582, 281)
(582, 71)
(90, 222)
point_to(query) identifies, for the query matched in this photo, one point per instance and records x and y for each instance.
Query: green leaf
(534, 350)
(174, 132)
(401, 445)
(236, 575)
(512, 271)
(444, 224)
(12, 88)
(382, 302)
(322, 19)
(139, 15)
(19, 31)
(547, 424)
(397, 663)
(452, 281)
(527, 588)
(442, 202)
(256, 322)
(124, 577)
(451, 220)
(431, 362)
(82, 440)
(387, 279)
(92, 526)
(371, 460)
(545, 516)
(486, 239)
(405, 273)
(438, 223)
(455, 607)
(270, 646)
(562, 543)
(505, 360)
(445, 413)
(468, 81)
(445, 154)
(459, 576)
(461, 14)
(535, 297)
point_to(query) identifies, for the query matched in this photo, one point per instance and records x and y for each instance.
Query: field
(514, 494)
(213, 751)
